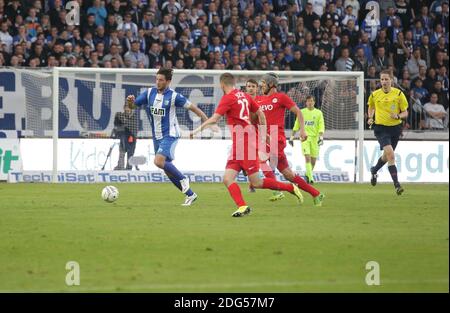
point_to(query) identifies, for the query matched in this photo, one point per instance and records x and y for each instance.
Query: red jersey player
(236, 106)
(274, 105)
(251, 88)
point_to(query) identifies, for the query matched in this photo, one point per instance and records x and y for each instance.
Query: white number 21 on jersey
(244, 114)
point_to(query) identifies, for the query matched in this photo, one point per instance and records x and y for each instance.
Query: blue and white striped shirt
(161, 108)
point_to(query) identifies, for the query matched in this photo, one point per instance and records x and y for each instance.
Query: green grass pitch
(147, 242)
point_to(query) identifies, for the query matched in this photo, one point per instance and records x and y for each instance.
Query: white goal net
(87, 99)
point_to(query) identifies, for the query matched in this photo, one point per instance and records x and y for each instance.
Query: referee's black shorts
(388, 135)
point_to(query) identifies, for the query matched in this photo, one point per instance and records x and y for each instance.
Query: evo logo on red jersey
(266, 107)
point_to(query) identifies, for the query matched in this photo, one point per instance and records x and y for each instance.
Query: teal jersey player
(314, 128)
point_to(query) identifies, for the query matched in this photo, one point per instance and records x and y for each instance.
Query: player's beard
(268, 89)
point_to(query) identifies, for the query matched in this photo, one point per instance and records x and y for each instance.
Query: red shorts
(249, 166)
(278, 158)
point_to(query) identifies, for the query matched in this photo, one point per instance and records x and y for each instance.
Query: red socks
(236, 194)
(267, 170)
(269, 174)
(303, 185)
(269, 183)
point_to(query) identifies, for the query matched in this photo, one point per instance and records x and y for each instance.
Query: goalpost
(83, 101)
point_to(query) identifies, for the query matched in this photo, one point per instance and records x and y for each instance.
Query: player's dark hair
(252, 81)
(166, 72)
(310, 97)
(227, 79)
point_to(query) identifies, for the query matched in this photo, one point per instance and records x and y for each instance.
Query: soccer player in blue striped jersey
(161, 102)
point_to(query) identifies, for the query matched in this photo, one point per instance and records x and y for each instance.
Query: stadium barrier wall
(10, 157)
(417, 161)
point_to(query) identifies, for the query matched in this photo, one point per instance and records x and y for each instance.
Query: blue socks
(174, 181)
(175, 176)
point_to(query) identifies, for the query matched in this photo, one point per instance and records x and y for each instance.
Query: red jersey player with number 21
(236, 106)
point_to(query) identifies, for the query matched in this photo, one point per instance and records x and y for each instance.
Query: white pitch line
(384, 283)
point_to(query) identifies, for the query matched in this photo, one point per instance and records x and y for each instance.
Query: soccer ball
(110, 193)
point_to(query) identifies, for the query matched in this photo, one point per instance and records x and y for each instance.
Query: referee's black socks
(379, 165)
(393, 171)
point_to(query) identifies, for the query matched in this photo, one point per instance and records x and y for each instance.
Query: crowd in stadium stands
(408, 37)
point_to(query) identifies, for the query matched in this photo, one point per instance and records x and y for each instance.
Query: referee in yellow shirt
(389, 106)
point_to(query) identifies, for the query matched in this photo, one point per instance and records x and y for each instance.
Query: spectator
(443, 77)
(168, 53)
(442, 18)
(419, 92)
(422, 75)
(132, 57)
(309, 59)
(384, 6)
(361, 62)
(355, 5)
(217, 45)
(115, 9)
(344, 63)
(380, 61)
(318, 6)
(308, 16)
(349, 15)
(366, 46)
(135, 9)
(296, 64)
(439, 60)
(99, 11)
(404, 11)
(382, 41)
(414, 63)
(89, 26)
(418, 32)
(425, 50)
(181, 24)
(128, 24)
(435, 114)
(436, 34)
(442, 95)
(100, 36)
(332, 17)
(395, 30)
(442, 46)
(5, 37)
(155, 58)
(13, 9)
(283, 34)
(436, 7)
(427, 20)
(388, 20)
(428, 83)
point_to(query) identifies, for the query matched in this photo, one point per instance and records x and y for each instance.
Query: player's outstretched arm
(208, 123)
(132, 101)
(194, 108)
(301, 121)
